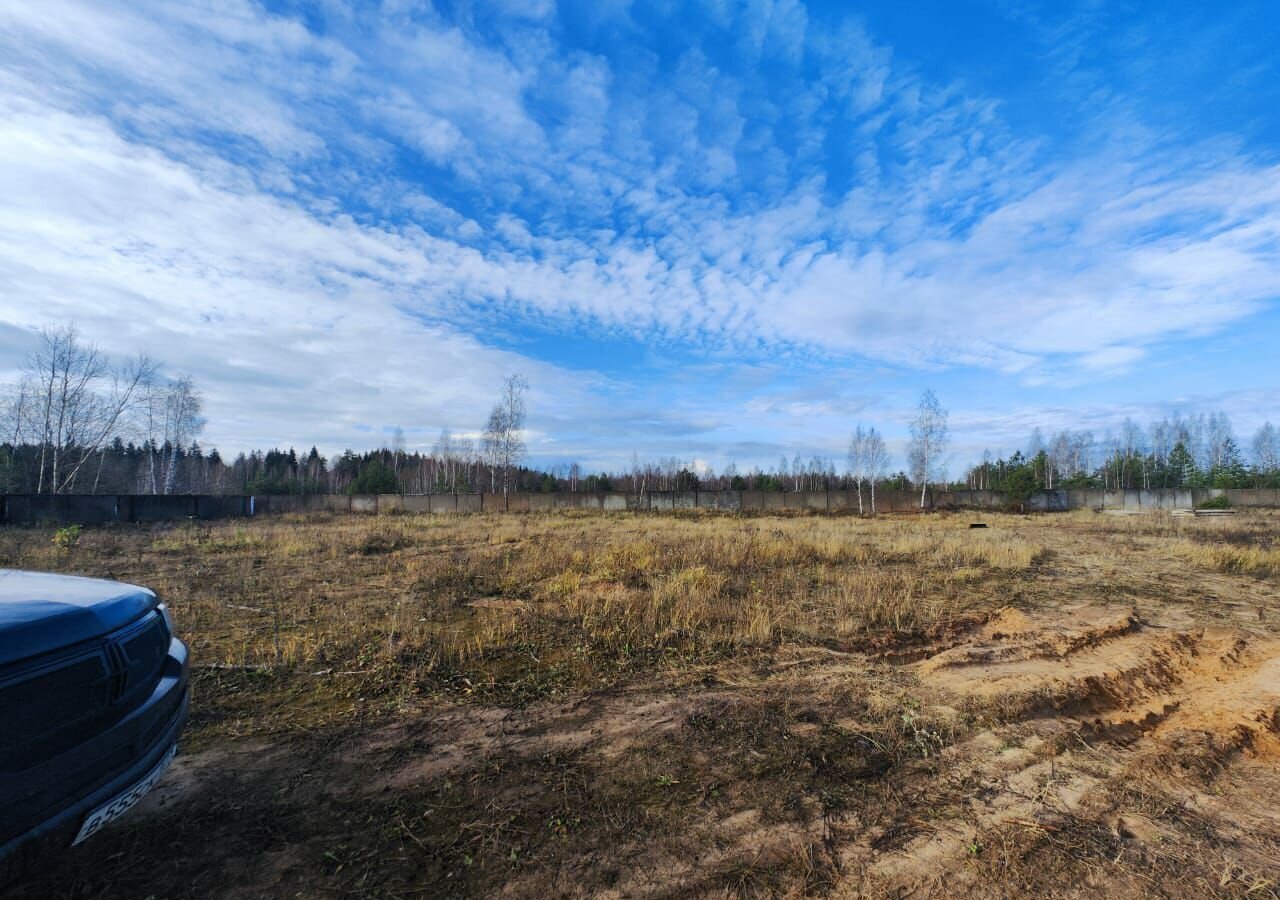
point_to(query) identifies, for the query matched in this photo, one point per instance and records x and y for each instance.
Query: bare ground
(1104, 722)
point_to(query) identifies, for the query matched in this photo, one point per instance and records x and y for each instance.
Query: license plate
(123, 802)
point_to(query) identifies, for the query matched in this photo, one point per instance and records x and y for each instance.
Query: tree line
(1180, 451)
(75, 422)
(66, 419)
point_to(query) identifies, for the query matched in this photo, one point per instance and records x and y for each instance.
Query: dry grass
(572, 704)
(535, 603)
(1246, 560)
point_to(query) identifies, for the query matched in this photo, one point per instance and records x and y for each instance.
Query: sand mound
(1098, 720)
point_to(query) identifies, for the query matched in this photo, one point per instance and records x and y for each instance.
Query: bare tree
(928, 441)
(75, 400)
(465, 455)
(444, 452)
(397, 449)
(1219, 437)
(15, 412)
(503, 441)
(1266, 449)
(182, 422)
(491, 446)
(875, 461)
(857, 461)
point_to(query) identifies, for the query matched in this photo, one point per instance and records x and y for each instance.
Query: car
(93, 697)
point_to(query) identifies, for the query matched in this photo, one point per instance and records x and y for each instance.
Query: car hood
(41, 611)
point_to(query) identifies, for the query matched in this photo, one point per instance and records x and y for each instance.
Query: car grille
(57, 701)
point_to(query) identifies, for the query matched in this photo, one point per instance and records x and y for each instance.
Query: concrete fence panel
(149, 508)
(314, 502)
(719, 500)
(442, 503)
(902, 501)
(793, 499)
(55, 509)
(773, 500)
(278, 504)
(338, 502)
(416, 503)
(214, 507)
(104, 508)
(90, 509)
(846, 501)
(1204, 495)
(390, 503)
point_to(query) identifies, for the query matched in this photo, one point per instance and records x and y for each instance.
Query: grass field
(639, 705)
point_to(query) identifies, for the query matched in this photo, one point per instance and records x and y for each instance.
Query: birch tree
(503, 442)
(1266, 449)
(875, 461)
(928, 441)
(73, 401)
(857, 462)
(182, 422)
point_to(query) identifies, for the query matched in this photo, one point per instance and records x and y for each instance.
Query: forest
(78, 422)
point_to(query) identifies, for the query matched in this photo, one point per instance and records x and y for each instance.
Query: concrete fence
(102, 508)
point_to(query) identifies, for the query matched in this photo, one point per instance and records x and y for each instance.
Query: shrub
(1218, 502)
(66, 538)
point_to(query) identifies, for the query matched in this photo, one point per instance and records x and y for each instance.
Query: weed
(66, 538)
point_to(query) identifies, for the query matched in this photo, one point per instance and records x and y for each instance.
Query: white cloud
(228, 184)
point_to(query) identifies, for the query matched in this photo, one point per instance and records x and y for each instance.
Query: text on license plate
(120, 804)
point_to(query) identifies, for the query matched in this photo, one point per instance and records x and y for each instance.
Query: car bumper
(149, 732)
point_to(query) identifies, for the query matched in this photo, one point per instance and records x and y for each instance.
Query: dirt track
(1112, 755)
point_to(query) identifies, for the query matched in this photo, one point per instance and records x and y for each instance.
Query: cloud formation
(336, 219)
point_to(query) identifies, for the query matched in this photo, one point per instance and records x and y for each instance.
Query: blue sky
(717, 231)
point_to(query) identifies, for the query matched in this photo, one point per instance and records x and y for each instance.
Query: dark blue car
(93, 696)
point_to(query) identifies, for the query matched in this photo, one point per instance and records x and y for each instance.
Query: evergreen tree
(1182, 470)
(375, 478)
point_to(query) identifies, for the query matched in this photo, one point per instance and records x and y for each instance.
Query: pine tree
(1182, 467)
